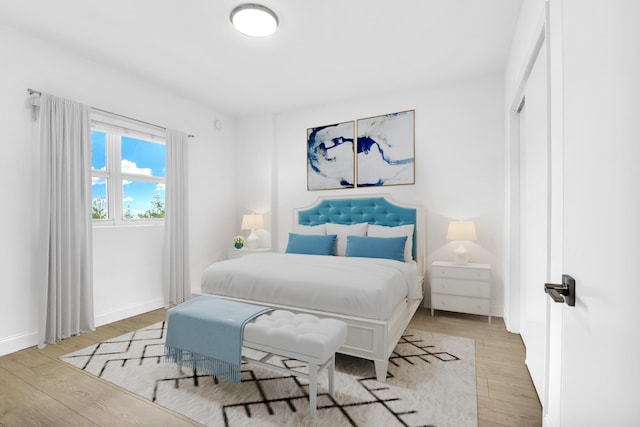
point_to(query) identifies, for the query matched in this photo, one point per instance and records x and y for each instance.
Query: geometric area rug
(431, 381)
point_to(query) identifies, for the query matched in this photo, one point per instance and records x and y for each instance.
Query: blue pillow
(376, 247)
(311, 244)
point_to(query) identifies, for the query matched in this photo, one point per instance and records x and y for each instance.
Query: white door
(534, 220)
(595, 375)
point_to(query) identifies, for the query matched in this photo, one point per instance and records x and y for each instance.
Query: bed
(376, 297)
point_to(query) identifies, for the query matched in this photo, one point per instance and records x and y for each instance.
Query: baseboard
(29, 339)
(547, 421)
(497, 310)
(127, 311)
(18, 342)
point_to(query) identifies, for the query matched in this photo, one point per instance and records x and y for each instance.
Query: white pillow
(397, 231)
(344, 230)
(310, 230)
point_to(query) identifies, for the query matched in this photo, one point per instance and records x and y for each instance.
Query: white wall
(459, 164)
(254, 172)
(127, 259)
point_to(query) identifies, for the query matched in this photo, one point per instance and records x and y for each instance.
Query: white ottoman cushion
(303, 334)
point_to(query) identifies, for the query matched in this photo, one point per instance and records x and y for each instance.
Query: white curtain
(65, 262)
(176, 281)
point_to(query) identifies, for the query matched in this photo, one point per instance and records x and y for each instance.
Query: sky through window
(138, 159)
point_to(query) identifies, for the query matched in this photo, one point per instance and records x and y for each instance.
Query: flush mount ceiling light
(254, 20)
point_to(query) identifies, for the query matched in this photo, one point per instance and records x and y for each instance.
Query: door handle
(566, 292)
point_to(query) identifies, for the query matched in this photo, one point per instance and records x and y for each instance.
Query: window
(127, 177)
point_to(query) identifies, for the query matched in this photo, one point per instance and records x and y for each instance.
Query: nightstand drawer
(464, 288)
(460, 304)
(239, 253)
(461, 273)
(471, 288)
(235, 253)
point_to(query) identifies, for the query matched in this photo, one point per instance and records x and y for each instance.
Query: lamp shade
(252, 222)
(254, 20)
(461, 230)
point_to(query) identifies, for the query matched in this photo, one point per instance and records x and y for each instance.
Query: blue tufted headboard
(379, 210)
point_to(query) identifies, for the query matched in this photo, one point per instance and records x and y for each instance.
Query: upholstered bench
(299, 336)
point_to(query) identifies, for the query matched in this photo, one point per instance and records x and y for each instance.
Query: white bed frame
(366, 338)
(369, 338)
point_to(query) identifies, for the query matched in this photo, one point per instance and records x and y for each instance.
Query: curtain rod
(32, 92)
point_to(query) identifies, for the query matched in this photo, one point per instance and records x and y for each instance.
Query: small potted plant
(238, 242)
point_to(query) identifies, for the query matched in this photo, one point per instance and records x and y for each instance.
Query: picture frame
(330, 156)
(386, 150)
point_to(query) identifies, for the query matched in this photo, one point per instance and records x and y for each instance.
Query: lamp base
(252, 241)
(461, 255)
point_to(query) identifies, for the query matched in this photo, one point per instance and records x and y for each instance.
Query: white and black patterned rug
(431, 382)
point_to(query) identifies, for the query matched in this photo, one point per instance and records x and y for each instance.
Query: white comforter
(362, 287)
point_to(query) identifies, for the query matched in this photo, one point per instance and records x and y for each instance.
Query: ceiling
(323, 51)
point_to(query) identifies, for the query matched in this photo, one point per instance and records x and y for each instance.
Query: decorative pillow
(344, 230)
(397, 231)
(377, 247)
(308, 230)
(311, 244)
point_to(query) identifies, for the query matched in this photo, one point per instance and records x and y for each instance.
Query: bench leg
(381, 370)
(331, 371)
(179, 362)
(313, 388)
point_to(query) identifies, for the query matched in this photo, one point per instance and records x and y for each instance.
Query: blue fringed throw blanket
(205, 333)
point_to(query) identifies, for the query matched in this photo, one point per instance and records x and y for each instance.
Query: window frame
(115, 129)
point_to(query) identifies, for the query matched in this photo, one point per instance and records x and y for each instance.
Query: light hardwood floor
(506, 395)
(36, 389)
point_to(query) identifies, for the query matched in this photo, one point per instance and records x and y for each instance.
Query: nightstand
(462, 288)
(239, 253)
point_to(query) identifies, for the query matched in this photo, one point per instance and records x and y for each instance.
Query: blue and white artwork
(330, 156)
(386, 150)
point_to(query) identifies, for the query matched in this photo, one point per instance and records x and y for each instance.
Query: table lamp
(252, 222)
(461, 231)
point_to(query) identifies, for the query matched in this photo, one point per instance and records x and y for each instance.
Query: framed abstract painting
(386, 150)
(330, 156)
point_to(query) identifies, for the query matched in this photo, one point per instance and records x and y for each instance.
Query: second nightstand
(462, 288)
